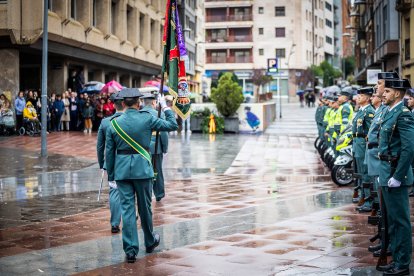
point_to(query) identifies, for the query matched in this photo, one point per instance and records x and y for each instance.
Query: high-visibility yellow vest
(344, 116)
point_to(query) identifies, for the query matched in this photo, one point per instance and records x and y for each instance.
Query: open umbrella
(156, 84)
(300, 92)
(92, 87)
(112, 87)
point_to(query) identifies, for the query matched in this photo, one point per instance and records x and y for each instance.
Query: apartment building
(406, 10)
(376, 37)
(243, 35)
(105, 39)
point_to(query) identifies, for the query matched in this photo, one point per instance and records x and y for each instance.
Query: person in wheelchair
(31, 122)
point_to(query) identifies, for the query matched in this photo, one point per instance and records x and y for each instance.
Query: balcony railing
(230, 59)
(225, 18)
(232, 38)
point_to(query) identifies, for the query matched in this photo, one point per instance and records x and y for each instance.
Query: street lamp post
(43, 151)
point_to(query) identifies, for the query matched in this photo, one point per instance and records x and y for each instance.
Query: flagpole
(161, 92)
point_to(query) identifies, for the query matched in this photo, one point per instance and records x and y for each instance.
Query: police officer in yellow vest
(150, 105)
(345, 111)
(360, 127)
(396, 151)
(128, 163)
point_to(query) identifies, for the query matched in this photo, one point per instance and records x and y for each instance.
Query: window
(328, 23)
(261, 10)
(73, 9)
(280, 53)
(113, 17)
(141, 28)
(261, 31)
(218, 35)
(328, 6)
(385, 21)
(261, 52)
(280, 32)
(280, 11)
(94, 21)
(242, 56)
(328, 40)
(218, 57)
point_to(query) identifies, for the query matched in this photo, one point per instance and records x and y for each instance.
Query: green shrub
(227, 96)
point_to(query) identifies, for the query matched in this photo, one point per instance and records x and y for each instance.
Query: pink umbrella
(112, 87)
(156, 84)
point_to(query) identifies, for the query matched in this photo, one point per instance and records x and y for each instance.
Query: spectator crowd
(69, 111)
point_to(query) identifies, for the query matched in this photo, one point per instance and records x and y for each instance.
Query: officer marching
(128, 163)
(396, 150)
(150, 105)
(360, 127)
(114, 205)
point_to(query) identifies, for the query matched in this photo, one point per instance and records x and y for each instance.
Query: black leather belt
(126, 152)
(358, 135)
(388, 158)
(372, 145)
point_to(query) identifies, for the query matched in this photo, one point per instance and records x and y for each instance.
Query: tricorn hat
(148, 96)
(366, 90)
(347, 91)
(410, 92)
(115, 97)
(398, 84)
(129, 93)
(388, 76)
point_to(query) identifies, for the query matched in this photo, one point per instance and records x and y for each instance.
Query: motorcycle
(342, 169)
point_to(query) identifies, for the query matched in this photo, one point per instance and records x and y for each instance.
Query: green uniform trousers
(399, 225)
(159, 190)
(114, 206)
(362, 169)
(142, 188)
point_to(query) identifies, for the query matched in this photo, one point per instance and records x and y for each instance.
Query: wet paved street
(235, 205)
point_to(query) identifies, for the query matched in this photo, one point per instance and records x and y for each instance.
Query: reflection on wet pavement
(235, 205)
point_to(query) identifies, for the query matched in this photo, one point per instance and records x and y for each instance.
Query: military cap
(398, 84)
(388, 76)
(347, 91)
(410, 92)
(129, 93)
(366, 90)
(115, 97)
(148, 96)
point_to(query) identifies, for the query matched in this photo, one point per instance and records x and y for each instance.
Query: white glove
(394, 183)
(161, 100)
(112, 184)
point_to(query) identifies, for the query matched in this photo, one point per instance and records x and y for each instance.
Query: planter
(231, 124)
(195, 124)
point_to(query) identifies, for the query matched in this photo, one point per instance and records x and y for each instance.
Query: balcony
(227, 3)
(229, 59)
(231, 38)
(403, 5)
(229, 18)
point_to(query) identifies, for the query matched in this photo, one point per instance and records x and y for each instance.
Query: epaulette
(405, 109)
(115, 116)
(146, 111)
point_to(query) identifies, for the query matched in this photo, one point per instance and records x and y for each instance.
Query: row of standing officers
(383, 151)
(126, 150)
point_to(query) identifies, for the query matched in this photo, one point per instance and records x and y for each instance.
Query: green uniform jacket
(100, 144)
(139, 126)
(360, 127)
(396, 137)
(162, 139)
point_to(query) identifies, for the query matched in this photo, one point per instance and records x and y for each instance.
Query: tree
(227, 95)
(259, 79)
(214, 82)
(326, 71)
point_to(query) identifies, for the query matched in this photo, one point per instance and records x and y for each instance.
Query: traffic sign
(272, 65)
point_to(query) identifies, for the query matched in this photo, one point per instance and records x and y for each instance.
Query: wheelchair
(7, 123)
(30, 127)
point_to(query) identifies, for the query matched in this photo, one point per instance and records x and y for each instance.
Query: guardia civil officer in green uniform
(128, 163)
(396, 151)
(114, 204)
(319, 116)
(360, 127)
(371, 155)
(150, 105)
